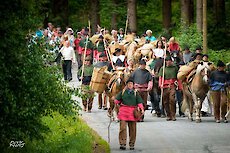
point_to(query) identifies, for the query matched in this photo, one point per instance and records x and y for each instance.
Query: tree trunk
(114, 15)
(167, 14)
(205, 41)
(94, 15)
(187, 11)
(219, 12)
(199, 15)
(132, 15)
(61, 11)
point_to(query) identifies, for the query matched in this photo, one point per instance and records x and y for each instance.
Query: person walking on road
(88, 94)
(69, 57)
(142, 82)
(219, 80)
(168, 83)
(128, 99)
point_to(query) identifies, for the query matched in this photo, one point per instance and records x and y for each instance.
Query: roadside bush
(29, 89)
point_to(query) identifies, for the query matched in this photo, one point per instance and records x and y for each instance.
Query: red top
(173, 47)
(76, 43)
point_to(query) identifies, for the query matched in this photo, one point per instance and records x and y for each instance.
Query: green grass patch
(67, 135)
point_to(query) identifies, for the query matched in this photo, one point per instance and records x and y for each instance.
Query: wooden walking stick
(228, 103)
(83, 64)
(108, 53)
(89, 28)
(127, 22)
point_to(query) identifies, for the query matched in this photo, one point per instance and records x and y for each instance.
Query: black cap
(116, 51)
(129, 80)
(168, 58)
(220, 64)
(102, 55)
(142, 62)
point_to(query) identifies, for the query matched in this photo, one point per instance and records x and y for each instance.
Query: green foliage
(149, 16)
(29, 89)
(67, 135)
(223, 55)
(189, 37)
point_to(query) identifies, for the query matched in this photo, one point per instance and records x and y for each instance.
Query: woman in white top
(159, 50)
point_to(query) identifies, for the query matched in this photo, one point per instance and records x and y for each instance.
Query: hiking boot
(122, 147)
(225, 120)
(131, 147)
(99, 107)
(168, 119)
(173, 119)
(105, 108)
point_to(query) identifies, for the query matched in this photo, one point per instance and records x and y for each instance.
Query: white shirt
(158, 52)
(115, 58)
(68, 53)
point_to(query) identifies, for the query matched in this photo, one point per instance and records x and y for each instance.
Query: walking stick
(127, 21)
(228, 103)
(83, 64)
(163, 75)
(89, 28)
(108, 54)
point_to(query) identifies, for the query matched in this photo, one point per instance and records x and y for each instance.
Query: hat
(116, 51)
(149, 31)
(101, 37)
(129, 80)
(220, 64)
(168, 58)
(102, 55)
(70, 29)
(142, 62)
(118, 62)
(121, 29)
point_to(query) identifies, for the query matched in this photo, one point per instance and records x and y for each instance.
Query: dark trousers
(154, 97)
(100, 99)
(66, 66)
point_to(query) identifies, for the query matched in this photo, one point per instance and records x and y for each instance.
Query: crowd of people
(153, 74)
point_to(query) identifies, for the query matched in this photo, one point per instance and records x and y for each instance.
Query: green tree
(28, 89)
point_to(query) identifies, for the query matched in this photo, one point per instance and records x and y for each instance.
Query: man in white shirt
(69, 56)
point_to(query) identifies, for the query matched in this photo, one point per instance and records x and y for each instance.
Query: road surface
(156, 135)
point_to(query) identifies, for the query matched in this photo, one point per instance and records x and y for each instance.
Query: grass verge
(67, 135)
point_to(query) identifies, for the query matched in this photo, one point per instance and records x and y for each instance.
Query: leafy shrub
(189, 36)
(29, 89)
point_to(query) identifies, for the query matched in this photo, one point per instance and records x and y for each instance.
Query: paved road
(156, 135)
